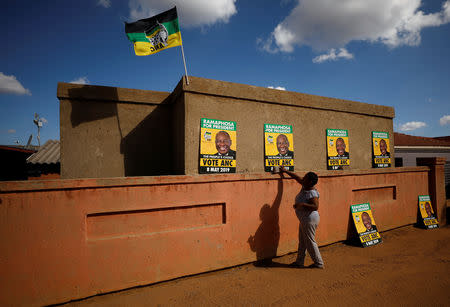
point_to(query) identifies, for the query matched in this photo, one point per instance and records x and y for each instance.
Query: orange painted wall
(68, 239)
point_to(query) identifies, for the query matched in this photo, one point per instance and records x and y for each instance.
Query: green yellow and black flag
(154, 34)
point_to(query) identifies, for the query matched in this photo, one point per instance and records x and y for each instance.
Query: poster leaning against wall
(429, 219)
(365, 224)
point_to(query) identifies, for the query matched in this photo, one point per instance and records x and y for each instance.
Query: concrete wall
(251, 107)
(68, 239)
(113, 132)
(410, 156)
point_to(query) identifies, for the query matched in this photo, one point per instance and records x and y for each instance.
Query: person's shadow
(265, 241)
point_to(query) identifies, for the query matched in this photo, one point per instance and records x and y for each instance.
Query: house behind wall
(409, 148)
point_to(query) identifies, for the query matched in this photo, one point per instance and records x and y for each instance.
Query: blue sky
(394, 53)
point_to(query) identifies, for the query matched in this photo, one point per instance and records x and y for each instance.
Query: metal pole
(184, 62)
(39, 136)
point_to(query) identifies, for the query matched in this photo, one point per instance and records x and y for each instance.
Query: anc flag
(154, 34)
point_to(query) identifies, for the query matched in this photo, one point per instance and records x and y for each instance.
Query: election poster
(381, 149)
(217, 146)
(426, 211)
(278, 147)
(337, 149)
(365, 224)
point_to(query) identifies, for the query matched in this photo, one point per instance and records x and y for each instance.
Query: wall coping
(74, 184)
(261, 94)
(223, 89)
(108, 93)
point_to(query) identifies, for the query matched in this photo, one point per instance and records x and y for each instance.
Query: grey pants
(306, 237)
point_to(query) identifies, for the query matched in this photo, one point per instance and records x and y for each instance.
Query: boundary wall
(74, 238)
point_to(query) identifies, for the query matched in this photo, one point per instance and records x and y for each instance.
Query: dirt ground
(411, 267)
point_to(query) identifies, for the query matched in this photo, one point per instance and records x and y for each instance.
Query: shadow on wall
(148, 149)
(85, 111)
(267, 237)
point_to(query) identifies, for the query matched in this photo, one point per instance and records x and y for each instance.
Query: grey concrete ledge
(255, 93)
(82, 92)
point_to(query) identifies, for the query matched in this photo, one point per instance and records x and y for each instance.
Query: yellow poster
(365, 224)
(426, 211)
(381, 149)
(217, 146)
(338, 149)
(278, 147)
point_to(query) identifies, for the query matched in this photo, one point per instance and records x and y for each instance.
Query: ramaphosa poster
(217, 146)
(381, 149)
(365, 224)
(278, 147)
(337, 149)
(426, 211)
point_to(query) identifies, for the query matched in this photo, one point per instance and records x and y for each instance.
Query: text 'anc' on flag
(154, 34)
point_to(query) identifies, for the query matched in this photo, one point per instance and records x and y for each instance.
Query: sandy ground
(410, 268)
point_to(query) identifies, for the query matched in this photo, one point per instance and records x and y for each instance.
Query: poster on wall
(381, 149)
(337, 149)
(217, 146)
(365, 224)
(278, 147)
(426, 211)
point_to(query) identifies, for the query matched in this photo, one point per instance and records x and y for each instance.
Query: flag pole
(184, 62)
(182, 53)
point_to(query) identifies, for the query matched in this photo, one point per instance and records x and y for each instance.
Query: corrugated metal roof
(47, 154)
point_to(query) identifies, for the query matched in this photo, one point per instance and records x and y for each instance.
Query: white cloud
(266, 45)
(277, 88)
(10, 85)
(410, 126)
(80, 80)
(104, 3)
(191, 13)
(326, 24)
(333, 56)
(444, 120)
(11, 131)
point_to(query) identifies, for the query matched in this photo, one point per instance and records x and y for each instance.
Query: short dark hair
(312, 177)
(224, 133)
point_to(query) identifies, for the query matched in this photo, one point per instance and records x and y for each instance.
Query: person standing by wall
(306, 208)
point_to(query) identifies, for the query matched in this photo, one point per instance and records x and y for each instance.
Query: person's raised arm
(293, 175)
